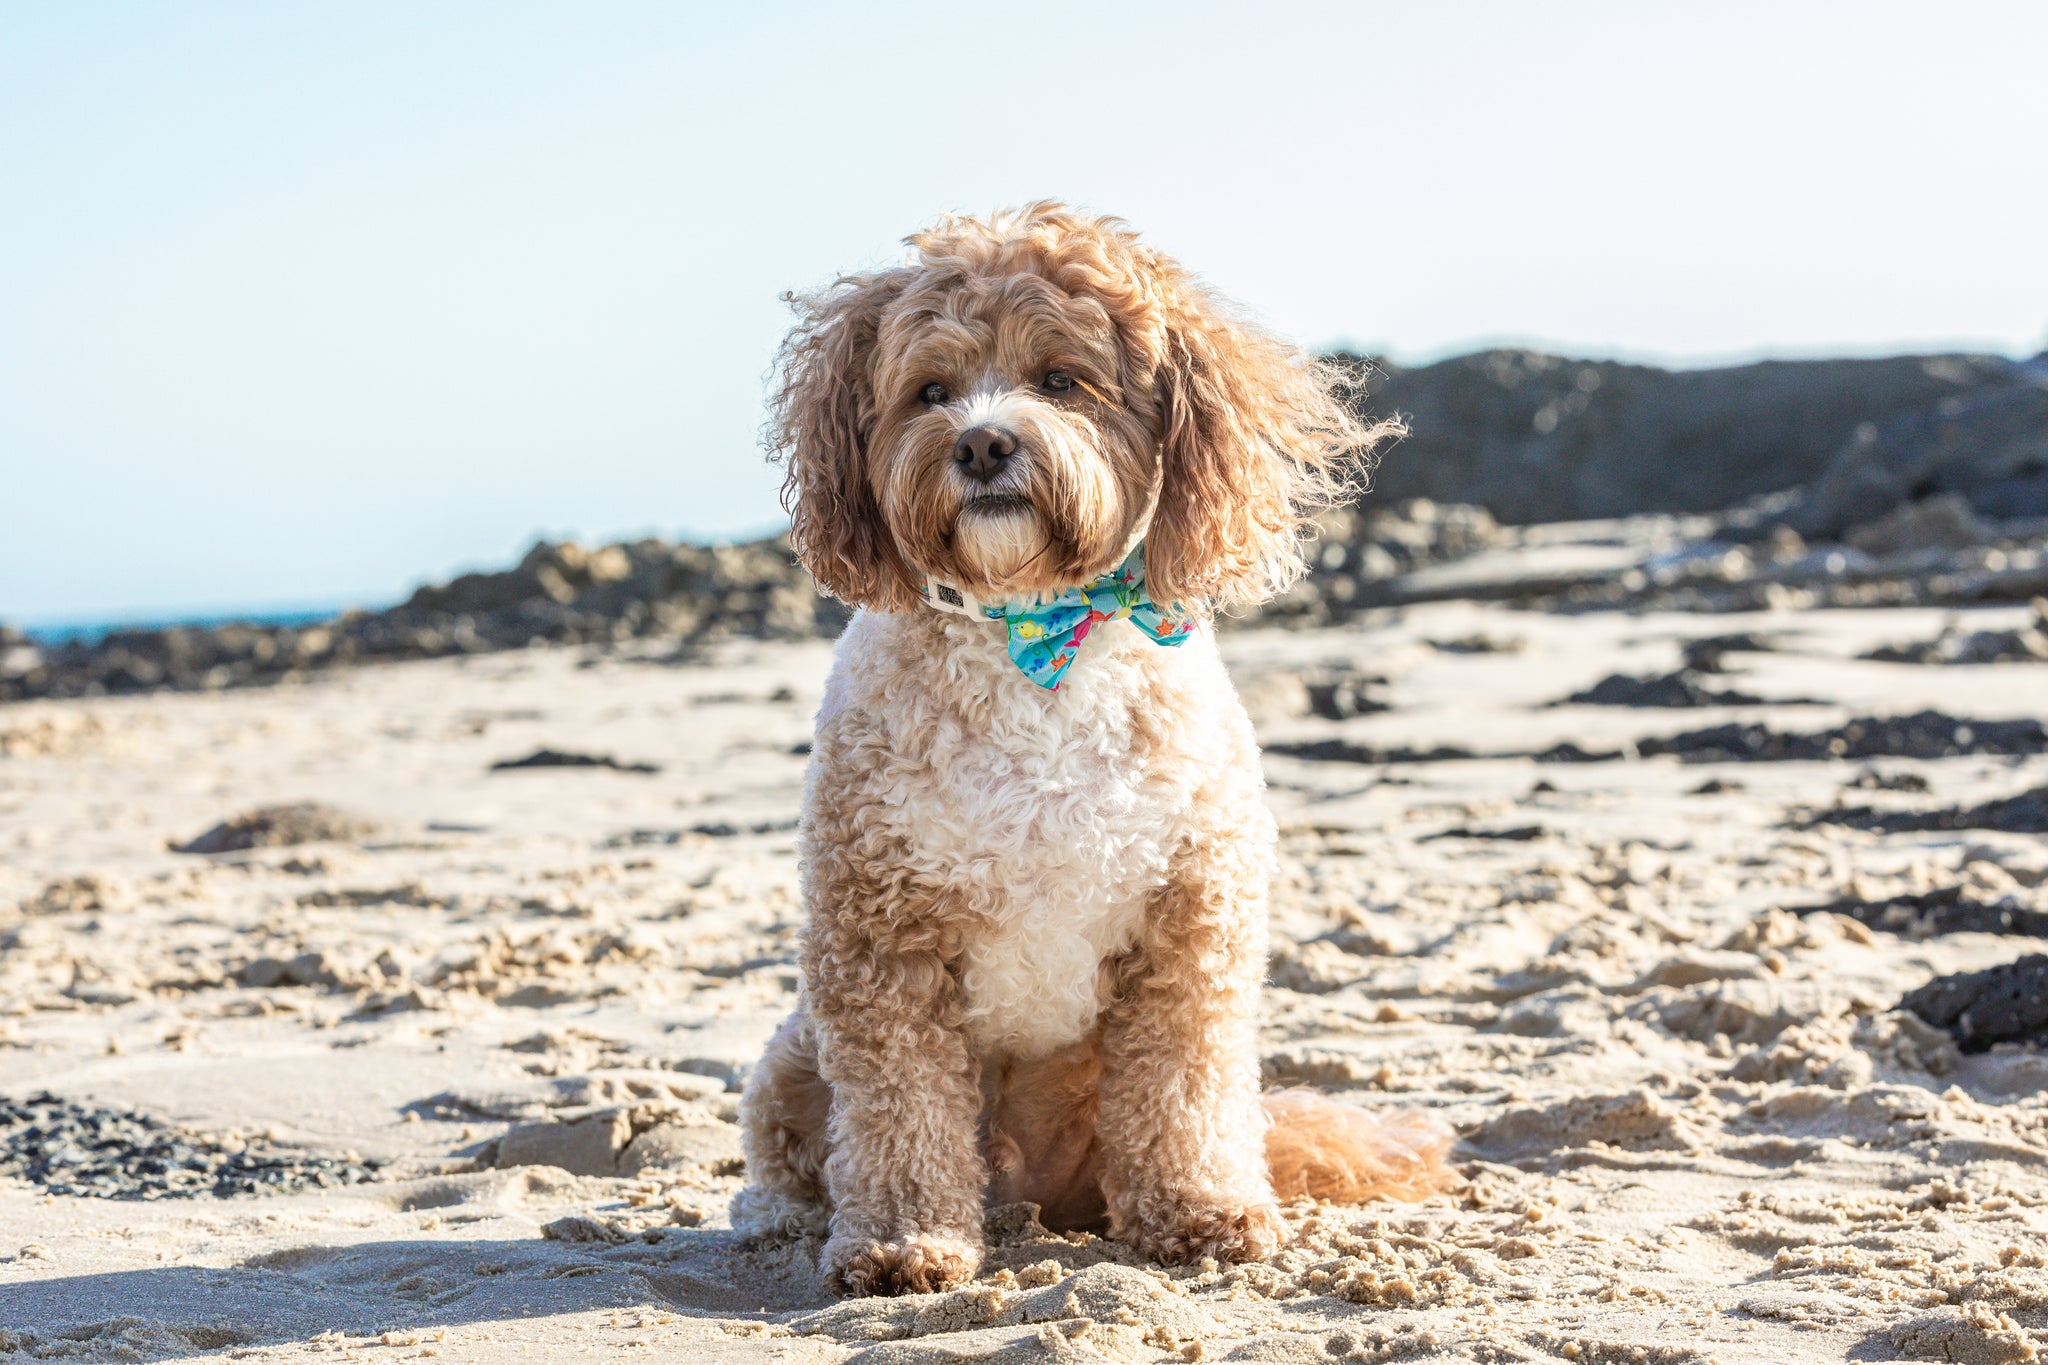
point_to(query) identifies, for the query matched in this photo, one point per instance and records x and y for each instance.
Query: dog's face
(1009, 450)
(1031, 395)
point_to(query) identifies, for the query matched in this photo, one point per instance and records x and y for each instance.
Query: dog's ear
(1256, 437)
(821, 418)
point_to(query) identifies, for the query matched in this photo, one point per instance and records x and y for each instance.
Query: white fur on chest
(1060, 851)
(1053, 817)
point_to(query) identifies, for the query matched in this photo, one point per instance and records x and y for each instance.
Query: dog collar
(1045, 634)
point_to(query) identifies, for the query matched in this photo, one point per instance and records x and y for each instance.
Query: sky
(307, 304)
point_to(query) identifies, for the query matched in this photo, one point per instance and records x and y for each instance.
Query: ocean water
(90, 631)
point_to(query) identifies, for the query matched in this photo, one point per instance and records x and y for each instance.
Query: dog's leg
(1183, 1130)
(905, 1175)
(782, 1133)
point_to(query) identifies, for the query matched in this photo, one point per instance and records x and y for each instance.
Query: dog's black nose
(983, 451)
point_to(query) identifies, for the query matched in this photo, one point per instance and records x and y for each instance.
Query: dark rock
(305, 822)
(1568, 752)
(558, 593)
(1943, 522)
(1717, 786)
(560, 758)
(1363, 552)
(1340, 696)
(1668, 690)
(1999, 1004)
(263, 972)
(1709, 653)
(2026, 813)
(1717, 576)
(1343, 751)
(721, 829)
(1872, 780)
(1536, 438)
(1985, 445)
(645, 838)
(1478, 644)
(80, 1150)
(1925, 734)
(1947, 910)
(1520, 834)
(2027, 644)
(714, 829)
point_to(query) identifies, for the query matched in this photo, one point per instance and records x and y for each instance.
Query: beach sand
(1693, 1125)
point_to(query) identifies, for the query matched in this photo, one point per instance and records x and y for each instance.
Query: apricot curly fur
(1035, 927)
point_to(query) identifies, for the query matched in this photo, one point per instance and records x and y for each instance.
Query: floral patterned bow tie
(1045, 635)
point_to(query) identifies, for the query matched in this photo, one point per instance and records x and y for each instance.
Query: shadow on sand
(415, 1286)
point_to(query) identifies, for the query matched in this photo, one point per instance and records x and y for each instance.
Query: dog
(1038, 458)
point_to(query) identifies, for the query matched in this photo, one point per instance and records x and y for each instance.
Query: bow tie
(1045, 634)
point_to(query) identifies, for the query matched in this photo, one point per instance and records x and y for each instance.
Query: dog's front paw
(1223, 1232)
(923, 1264)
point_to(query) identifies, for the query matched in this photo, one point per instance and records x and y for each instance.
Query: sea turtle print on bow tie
(1045, 636)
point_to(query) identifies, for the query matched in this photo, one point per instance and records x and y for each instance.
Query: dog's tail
(1325, 1149)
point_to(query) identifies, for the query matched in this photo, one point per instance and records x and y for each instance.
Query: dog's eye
(932, 393)
(1059, 381)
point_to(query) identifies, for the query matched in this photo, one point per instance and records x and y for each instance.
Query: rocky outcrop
(678, 595)
(1362, 553)
(1915, 480)
(1540, 438)
(1984, 450)
(557, 593)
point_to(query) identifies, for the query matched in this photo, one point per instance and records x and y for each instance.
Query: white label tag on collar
(951, 597)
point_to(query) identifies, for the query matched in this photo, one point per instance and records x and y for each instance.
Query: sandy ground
(1692, 1126)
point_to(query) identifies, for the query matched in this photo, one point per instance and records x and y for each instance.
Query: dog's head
(1030, 395)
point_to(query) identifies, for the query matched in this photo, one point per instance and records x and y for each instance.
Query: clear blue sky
(308, 302)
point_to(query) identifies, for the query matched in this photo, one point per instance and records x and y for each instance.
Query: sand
(1693, 1126)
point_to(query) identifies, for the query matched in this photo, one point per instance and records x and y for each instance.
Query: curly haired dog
(1036, 916)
